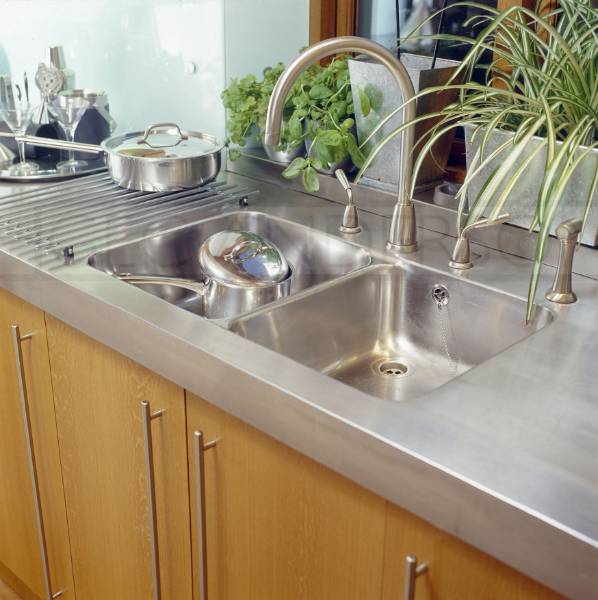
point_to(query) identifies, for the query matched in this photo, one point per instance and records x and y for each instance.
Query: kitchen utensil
(190, 158)
(55, 58)
(6, 93)
(18, 117)
(26, 85)
(49, 81)
(243, 271)
(242, 258)
(68, 110)
(6, 156)
(96, 124)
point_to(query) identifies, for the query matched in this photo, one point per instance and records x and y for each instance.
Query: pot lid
(242, 258)
(163, 140)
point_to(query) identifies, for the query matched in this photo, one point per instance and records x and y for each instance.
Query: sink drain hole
(392, 368)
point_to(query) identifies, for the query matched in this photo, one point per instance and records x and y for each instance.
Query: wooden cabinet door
(20, 551)
(456, 570)
(98, 395)
(278, 524)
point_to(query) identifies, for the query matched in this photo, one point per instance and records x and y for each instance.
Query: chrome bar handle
(200, 506)
(18, 340)
(147, 416)
(412, 572)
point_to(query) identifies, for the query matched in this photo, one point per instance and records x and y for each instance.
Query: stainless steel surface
(193, 162)
(412, 572)
(79, 215)
(355, 327)
(219, 300)
(461, 257)
(402, 232)
(561, 291)
(497, 456)
(242, 258)
(200, 506)
(430, 216)
(147, 416)
(196, 161)
(18, 339)
(313, 256)
(50, 174)
(350, 222)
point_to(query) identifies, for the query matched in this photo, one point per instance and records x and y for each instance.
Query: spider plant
(542, 83)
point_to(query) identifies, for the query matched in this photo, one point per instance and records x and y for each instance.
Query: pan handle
(187, 284)
(153, 129)
(60, 144)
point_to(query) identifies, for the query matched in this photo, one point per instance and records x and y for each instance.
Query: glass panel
(378, 21)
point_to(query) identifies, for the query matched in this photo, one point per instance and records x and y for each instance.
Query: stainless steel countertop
(503, 457)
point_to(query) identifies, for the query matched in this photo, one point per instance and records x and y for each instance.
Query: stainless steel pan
(243, 271)
(162, 158)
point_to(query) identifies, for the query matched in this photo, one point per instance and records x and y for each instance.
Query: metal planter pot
(522, 201)
(368, 75)
(284, 157)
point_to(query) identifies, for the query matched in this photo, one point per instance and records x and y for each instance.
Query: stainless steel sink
(392, 331)
(314, 256)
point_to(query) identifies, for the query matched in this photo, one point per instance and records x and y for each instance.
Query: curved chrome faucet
(402, 234)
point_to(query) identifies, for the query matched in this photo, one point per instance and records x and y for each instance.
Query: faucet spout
(402, 234)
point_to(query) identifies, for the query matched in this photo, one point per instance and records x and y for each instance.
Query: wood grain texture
(98, 395)
(457, 571)
(279, 525)
(346, 17)
(19, 546)
(11, 584)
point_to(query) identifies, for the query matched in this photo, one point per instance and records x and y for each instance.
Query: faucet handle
(461, 258)
(561, 291)
(342, 177)
(350, 223)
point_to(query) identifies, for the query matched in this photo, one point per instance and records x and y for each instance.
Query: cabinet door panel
(19, 543)
(98, 395)
(457, 571)
(280, 525)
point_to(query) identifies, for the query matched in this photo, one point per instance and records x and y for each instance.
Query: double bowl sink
(395, 331)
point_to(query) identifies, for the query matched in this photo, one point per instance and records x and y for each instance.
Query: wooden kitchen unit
(276, 524)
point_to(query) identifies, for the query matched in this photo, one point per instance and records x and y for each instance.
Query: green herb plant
(542, 82)
(246, 100)
(324, 116)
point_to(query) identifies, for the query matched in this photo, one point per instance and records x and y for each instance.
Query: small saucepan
(243, 271)
(163, 158)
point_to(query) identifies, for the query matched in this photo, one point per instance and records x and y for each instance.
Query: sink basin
(314, 256)
(392, 331)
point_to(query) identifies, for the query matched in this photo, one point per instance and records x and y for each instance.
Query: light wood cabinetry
(98, 395)
(456, 570)
(279, 525)
(20, 553)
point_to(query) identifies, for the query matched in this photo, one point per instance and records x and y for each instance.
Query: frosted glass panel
(260, 33)
(158, 60)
